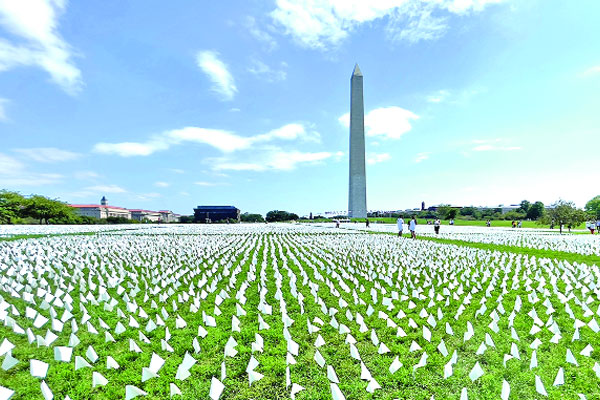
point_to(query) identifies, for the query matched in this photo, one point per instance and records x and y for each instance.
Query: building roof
(216, 208)
(144, 211)
(96, 206)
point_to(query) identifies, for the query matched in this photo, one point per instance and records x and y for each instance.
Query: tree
(593, 207)
(535, 211)
(247, 217)
(11, 206)
(280, 216)
(524, 206)
(445, 211)
(44, 209)
(564, 213)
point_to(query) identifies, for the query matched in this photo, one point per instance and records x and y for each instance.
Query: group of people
(412, 226)
(593, 226)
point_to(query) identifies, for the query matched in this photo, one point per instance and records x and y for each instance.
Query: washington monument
(357, 191)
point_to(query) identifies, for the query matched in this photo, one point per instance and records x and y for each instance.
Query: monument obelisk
(357, 191)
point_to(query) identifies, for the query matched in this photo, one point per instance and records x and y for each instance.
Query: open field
(300, 311)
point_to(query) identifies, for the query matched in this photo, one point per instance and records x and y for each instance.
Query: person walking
(400, 223)
(412, 227)
(436, 226)
(598, 225)
(367, 222)
(488, 223)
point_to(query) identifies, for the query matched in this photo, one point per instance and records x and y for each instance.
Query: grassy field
(304, 276)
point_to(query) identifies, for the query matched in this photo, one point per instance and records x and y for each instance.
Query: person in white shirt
(400, 223)
(412, 227)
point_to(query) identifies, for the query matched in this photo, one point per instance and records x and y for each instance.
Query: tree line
(18, 209)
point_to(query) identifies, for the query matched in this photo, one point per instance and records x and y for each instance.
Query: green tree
(44, 209)
(247, 217)
(445, 211)
(564, 213)
(280, 216)
(535, 211)
(593, 207)
(524, 206)
(11, 206)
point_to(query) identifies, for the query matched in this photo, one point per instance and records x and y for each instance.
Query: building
(357, 187)
(208, 214)
(168, 216)
(145, 215)
(102, 210)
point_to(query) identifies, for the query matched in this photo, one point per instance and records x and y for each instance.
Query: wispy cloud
(438, 97)
(205, 183)
(14, 173)
(422, 157)
(269, 74)
(376, 158)
(47, 154)
(36, 22)
(492, 145)
(86, 175)
(105, 189)
(326, 23)
(387, 122)
(218, 72)
(224, 141)
(595, 70)
(259, 34)
(162, 184)
(271, 159)
(3, 116)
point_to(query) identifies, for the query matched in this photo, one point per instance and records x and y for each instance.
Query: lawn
(288, 294)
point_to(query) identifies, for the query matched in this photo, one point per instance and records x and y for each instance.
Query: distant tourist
(436, 226)
(591, 225)
(520, 224)
(514, 224)
(337, 223)
(598, 225)
(451, 222)
(412, 227)
(367, 222)
(400, 223)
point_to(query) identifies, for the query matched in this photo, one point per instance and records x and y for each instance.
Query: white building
(101, 211)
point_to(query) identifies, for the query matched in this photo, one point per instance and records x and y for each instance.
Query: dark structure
(208, 214)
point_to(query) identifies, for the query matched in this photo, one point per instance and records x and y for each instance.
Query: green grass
(283, 259)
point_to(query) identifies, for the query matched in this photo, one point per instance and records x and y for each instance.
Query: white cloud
(106, 189)
(36, 22)
(218, 73)
(177, 170)
(387, 122)
(128, 149)
(86, 175)
(162, 184)
(222, 140)
(376, 158)
(595, 70)
(260, 34)
(219, 139)
(271, 159)
(492, 145)
(261, 69)
(47, 154)
(14, 173)
(489, 147)
(321, 24)
(438, 97)
(422, 157)
(205, 183)
(3, 116)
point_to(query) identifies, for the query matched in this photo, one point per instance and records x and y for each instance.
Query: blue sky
(169, 105)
